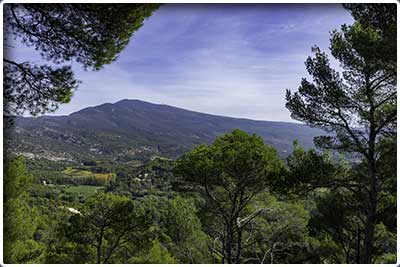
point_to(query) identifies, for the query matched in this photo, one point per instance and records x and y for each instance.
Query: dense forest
(235, 200)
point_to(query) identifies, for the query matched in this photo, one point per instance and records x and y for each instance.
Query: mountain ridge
(164, 105)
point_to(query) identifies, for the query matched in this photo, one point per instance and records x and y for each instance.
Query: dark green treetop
(230, 173)
(106, 224)
(382, 18)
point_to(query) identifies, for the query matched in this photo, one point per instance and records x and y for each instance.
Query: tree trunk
(228, 246)
(99, 245)
(358, 254)
(371, 214)
(239, 246)
(98, 253)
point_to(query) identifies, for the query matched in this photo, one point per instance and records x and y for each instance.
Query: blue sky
(232, 60)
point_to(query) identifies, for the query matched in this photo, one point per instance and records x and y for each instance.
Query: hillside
(131, 129)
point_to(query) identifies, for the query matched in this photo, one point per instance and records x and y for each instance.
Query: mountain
(131, 129)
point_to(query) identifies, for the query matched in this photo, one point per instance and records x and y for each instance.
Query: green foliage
(86, 190)
(26, 251)
(157, 254)
(383, 19)
(178, 220)
(389, 258)
(20, 220)
(175, 224)
(151, 178)
(279, 234)
(232, 160)
(106, 223)
(325, 171)
(336, 216)
(16, 179)
(230, 172)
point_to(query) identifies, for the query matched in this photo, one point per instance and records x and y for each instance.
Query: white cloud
(222, 61)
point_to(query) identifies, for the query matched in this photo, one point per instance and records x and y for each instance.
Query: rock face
(129, 129)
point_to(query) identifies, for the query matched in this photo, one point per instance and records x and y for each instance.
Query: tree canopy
(230, 173)
(20, 220)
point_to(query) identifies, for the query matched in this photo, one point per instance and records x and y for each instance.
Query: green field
(102, 178)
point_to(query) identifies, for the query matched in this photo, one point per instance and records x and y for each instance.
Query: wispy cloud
(234, 60)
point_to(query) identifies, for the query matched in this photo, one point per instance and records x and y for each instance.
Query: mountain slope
(131, 128)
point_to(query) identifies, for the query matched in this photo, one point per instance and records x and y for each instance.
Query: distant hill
(131, 129)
